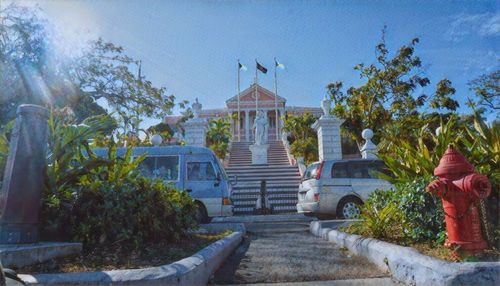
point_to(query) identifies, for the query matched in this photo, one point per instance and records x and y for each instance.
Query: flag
(242, 66)
(279, 65)
(261, 67)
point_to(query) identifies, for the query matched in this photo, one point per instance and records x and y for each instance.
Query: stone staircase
(282, 179)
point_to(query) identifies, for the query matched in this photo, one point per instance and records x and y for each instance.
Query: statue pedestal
(195, 131)
(259, 153)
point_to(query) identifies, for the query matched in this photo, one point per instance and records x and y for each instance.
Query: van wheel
(349, 208)
(201, 214)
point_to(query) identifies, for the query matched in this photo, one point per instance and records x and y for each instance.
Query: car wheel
(201, 214)
(348, 208)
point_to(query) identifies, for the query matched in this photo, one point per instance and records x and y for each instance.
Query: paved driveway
(287, 252)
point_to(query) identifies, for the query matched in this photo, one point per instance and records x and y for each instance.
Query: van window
(339, 170)
(311, 171)
(366, 170)
(164, 167)
(200, 171)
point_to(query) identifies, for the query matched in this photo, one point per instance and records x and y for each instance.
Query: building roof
(247, 96)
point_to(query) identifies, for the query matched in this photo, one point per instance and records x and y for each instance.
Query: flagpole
(256, 95)
(276, 98)
(239, 124)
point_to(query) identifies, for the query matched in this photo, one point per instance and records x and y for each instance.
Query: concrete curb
(20, 255)
(194, 270)
(409, 266)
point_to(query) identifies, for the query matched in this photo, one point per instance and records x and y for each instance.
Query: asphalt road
(287, 252)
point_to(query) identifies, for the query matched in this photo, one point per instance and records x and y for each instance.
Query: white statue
(260, 125)
(326, 105)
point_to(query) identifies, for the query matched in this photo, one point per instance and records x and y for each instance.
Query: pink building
(252, 99)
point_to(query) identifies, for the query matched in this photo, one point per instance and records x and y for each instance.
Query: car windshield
(311, 171)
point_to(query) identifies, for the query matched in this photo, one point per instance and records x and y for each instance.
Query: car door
(203, 184)
(337, 184)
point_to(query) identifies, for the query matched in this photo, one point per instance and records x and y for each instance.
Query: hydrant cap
(453, 162)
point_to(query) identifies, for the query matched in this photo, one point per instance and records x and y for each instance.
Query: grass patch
(115, 257)
(432, 249)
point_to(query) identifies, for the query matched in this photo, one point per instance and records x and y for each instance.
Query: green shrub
(406, 213)
(422, 212)
(105, 200)
(115, 204)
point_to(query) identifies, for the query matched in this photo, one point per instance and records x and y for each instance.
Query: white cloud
(483, 24)
(491, 27)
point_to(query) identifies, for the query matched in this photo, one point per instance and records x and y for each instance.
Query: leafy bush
(423, 213)
(406, 213)
(115, 204)
(105, 200)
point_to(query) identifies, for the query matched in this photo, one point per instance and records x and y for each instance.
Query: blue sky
(191, 47)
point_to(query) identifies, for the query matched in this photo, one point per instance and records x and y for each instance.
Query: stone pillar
(20, 199)
(328, 130)
(247, 125)
(195, 129)
(369, 150)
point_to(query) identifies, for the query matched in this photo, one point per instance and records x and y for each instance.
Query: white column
(328, 129)
(247, 125)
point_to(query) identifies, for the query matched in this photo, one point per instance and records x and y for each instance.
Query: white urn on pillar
(195, 129)
(196, 108)
(369, 150)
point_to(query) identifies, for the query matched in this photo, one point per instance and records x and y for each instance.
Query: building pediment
(248, 96)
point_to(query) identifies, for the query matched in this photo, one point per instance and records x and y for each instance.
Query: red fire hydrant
(459, 188)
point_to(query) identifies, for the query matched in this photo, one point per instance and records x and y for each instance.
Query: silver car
(337, 187)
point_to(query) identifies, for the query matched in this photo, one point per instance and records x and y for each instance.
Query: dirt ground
(287, 252)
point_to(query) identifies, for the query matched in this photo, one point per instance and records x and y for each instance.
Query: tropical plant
(378, 220)
(408, 162)
(219, 136)
(4, 147)
(67, 161)
(302, 137)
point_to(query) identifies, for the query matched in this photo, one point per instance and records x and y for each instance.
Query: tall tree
(487, 89)
(107, 73)
(31, 72)
(389, 92)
